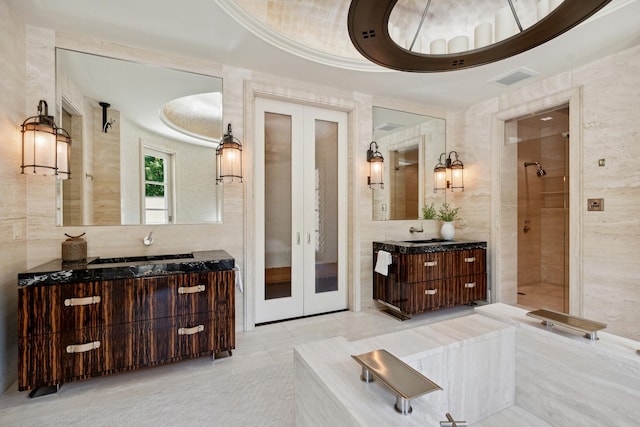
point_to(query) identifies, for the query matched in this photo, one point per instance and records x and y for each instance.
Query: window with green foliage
(157, 191)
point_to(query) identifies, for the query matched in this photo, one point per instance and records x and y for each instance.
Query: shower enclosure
(543, 209)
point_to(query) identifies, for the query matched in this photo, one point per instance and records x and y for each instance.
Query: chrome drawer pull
(431, 291)
(70, 302)
(470, 285)
(190, 289)
(430, 263)
(81, 348)
(191, 331)
(470, 259)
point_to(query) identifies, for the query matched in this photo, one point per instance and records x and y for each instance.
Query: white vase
(447, 231)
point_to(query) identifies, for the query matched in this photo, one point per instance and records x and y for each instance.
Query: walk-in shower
(539, 170)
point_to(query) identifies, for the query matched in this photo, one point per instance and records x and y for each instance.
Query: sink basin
(143, 258)
(426, 241)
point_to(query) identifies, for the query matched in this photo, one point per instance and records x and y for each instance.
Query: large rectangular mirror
(410, 144)
(143, 143)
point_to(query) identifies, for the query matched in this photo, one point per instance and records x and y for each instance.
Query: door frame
(502, 251)
(253, 90)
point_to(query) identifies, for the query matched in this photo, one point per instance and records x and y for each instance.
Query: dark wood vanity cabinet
(418, 282)
(71, 331)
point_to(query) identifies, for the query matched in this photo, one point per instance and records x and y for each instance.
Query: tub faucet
(416, 230)
(452, 423)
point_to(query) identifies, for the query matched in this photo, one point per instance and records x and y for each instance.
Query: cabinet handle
(81, 348)
(470, 285)
(431, 291)
(470, 259)
(191, 331)
(430, 263)
(70, 302)
(191, 289)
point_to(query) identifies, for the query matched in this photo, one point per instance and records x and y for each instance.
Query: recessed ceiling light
(546, 119)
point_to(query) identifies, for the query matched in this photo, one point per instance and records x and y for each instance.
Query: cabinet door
(225, 318)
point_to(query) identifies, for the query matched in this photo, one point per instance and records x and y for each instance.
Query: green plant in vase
(429, 211)
(447, 214)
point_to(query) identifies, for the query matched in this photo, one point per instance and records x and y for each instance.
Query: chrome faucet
(148, 240)
(416, 230)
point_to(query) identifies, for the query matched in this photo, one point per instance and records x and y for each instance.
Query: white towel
(238, 279)
(383, 262)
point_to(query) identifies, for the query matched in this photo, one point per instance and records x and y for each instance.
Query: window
(157, 200)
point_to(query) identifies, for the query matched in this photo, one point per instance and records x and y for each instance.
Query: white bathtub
(497, 367)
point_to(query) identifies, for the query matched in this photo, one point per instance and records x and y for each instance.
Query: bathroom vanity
(430, 274)
(121, 314)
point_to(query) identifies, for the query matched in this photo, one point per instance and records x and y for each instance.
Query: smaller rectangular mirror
(410, 144)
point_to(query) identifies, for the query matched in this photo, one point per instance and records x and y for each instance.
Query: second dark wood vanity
(97, 319)
(431, 275)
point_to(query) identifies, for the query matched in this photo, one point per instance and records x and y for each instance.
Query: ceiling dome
(199, 116)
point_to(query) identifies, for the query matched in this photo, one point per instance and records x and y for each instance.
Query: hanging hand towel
(383, 262)
(238, 278)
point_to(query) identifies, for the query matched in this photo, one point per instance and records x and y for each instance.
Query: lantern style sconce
(46, 148)
(440, 179)
(229, 159)
(376, 167)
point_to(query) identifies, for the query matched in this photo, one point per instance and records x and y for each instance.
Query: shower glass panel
(543, 228)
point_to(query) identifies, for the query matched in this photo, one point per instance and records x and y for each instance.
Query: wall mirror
(410, 144)
(143, 143)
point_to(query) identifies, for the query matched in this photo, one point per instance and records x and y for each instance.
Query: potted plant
(429, 211)
(447, 214)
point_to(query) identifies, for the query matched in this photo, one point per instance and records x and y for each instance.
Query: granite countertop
(419, 246)
(57, 271)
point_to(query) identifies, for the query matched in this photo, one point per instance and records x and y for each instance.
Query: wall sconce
(106, 123)
(376, 167)
(229, 159)
(440, 181)
(45, 147)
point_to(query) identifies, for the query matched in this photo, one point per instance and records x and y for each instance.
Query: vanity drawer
(175, 338)
(469, 261)
(424, 267)
(52, 359)
(471, 288)
(69, 307)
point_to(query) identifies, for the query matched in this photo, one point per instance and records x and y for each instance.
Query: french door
(301, 210)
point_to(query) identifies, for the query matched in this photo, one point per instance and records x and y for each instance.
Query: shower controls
(595, 204)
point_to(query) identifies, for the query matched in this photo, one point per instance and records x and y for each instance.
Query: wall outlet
(595, 204)
(17, 231)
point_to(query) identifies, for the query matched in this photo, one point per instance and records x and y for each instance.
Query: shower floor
(541, 295)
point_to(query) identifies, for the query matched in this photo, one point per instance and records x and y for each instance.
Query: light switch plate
(595, 204)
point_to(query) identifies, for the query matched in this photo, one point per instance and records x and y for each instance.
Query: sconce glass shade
(445, 163)
(63, 154)
(229, 159)
(44, 145)
(439, 177)
(376, 167)
(457, 176)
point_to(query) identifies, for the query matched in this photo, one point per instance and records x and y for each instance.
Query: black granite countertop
(426, 246)
(56, 271)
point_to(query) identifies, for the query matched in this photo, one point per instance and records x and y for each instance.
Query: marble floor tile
(253, 387)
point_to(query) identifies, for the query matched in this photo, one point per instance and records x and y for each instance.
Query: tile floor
(254, 387)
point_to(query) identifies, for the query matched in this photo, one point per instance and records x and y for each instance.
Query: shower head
(539, 170)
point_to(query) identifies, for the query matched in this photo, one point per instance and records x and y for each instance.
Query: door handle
(298, 238)
(308, 238)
